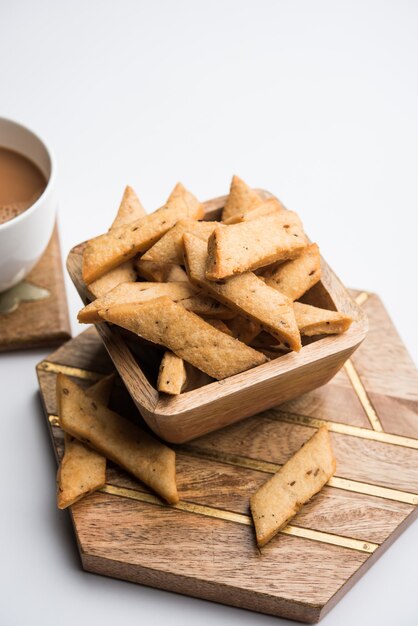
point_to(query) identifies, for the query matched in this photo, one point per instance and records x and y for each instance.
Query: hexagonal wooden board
(205, 546)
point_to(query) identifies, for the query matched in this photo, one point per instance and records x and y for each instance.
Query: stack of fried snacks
(94, 433)
(219, 296)
(82, 470)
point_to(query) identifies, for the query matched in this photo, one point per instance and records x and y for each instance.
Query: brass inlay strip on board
(271, 468)
(345, 429)
(229, 459)
(362, 396)
(356, 381)
(77, 372)
(362, 297)
(209, 511)
(190, 507)
(374, 490)
(335, 540)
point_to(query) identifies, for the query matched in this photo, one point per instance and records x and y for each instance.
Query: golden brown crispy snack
(281, 497)
(166, 323)
(117, 439)
(182, 292)
(169, 249)
(294, 278)
(107, 251)
(134, 292)
(312, 320)
(172, 374)
(182, 198)
(124, 273)
(247, 294)
(271, 205)
(208, 307)
(247, 246)
(82, 470)
(130, 209)
(241, 199)
(160, 272)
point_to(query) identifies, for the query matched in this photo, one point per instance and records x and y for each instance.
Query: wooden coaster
(40, 315)
(205, 546)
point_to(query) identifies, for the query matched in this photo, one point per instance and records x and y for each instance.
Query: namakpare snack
(281, 497)
(82, 470)
(117, 439)
(231, 288)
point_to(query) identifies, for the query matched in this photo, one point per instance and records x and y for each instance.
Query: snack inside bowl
(205, 404)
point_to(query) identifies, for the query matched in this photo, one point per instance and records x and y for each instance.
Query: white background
(315, 101)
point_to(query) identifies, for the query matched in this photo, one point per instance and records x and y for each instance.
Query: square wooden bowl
(209, 405)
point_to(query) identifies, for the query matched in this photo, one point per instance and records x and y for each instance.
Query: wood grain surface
(205, 546)
(42, 322)
(204, 408)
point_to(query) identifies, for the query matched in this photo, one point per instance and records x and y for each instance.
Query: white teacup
(23, 239)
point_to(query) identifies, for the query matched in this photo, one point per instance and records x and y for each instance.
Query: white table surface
(316, 101)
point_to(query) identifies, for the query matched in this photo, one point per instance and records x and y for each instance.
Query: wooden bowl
(208, 405)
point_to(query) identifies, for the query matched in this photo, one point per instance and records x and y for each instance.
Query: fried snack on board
(107, 251)
(281, 497)
(117, 439)
(294, 278)
(172, 375)
(166, 323)
(247, 294)
(160, 272)
(134, 292)
(82, 470)
(271, 205)
(247, 246)
(169, 249)
(241, 199)
(130, 209)
(312, 320)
